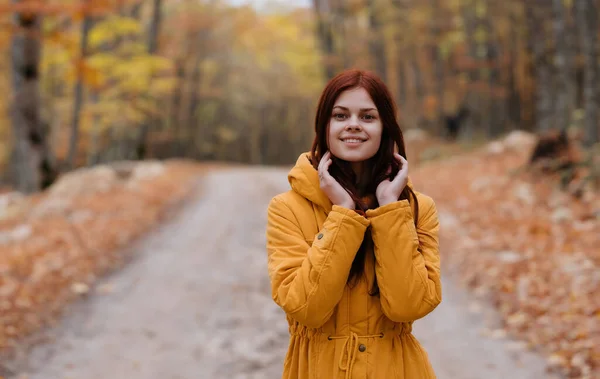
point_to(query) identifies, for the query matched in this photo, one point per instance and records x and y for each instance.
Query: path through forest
(195, 303)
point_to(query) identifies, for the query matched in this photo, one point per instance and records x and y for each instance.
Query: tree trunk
(573, 48)
(562, 115)
(93, 152)
(513, 101)
(436, 56)
(587, 20)
(178, 94)
(325, 36)
(154, 27)
(473, 100)
(33, 166)
(142, 140)
(402, 91)
(341, 23)
(377, 41)
(83, 46)
(196, 82)
(496, 115)
(542, 66)
(399, 39)
(418, 76)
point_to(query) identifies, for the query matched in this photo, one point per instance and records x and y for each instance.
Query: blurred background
(239, 81)
(113, 110)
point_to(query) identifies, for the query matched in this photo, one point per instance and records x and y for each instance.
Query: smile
(353, 140)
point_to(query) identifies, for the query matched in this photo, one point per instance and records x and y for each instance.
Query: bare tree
(33, 165)
(142, 140)
(83, 52)
(536, 14)
(436, 56)
(561, 59)
(587, 20)
(376, 39)
(325, 35)
(399, 41)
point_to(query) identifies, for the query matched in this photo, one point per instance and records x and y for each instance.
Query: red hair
(376, 167)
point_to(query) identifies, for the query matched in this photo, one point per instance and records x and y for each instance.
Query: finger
(326, 173)
(402, 160)
(323, 160)
(403, 171)
(324, 166)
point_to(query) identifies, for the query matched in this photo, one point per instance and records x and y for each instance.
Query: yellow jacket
(342, 332)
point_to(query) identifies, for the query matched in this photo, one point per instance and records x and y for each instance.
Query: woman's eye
(339, 116)
(369, 117)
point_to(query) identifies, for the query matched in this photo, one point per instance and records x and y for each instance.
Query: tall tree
(195, 84)
(400, 43)
(142, 140)
(436, 56)
(473, 100)
(33, 166)
(561, 59)
(154, 27)
(587, 20)
(377, 39)
(513, 104)
(536, 15)
(325, 35)
(83, 52)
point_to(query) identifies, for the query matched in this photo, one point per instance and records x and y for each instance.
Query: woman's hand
(334, 190)
(388, 191)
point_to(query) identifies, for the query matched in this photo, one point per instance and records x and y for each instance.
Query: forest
(100, 81)
(488, 88)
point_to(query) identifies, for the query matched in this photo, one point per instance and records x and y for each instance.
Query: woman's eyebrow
(362, 109)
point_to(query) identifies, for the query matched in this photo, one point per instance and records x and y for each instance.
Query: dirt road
(195, 304)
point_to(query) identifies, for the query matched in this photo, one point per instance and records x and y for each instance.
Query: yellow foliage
(112, 27)
(103, 61)
(67, 42)
(161, 87)
(282, 47)
(449, 40)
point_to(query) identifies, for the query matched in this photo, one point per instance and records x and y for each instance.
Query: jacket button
(320, 236)
(362, 348)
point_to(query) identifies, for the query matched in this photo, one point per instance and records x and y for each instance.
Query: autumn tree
(587, 20)
(33, 165)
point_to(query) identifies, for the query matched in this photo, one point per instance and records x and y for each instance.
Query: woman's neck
(361, 176)
(358, 168)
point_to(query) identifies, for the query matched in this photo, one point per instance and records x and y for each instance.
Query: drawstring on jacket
(349, 350)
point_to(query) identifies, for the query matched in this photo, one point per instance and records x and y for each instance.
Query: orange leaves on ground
(61, 241)
(533, 250)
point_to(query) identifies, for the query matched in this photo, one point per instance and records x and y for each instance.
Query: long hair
(376, 167)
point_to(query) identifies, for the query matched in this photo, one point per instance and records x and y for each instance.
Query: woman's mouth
(352, 141)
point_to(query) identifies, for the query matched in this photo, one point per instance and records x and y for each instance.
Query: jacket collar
(304, 180)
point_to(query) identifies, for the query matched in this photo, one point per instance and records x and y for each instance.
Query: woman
(353, 253)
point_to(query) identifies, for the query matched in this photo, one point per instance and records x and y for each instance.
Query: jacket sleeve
(407, 260)
(308, 281)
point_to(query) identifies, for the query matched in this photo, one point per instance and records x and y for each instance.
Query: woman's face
(354, 132)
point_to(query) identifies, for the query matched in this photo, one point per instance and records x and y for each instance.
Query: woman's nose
(353, 124)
